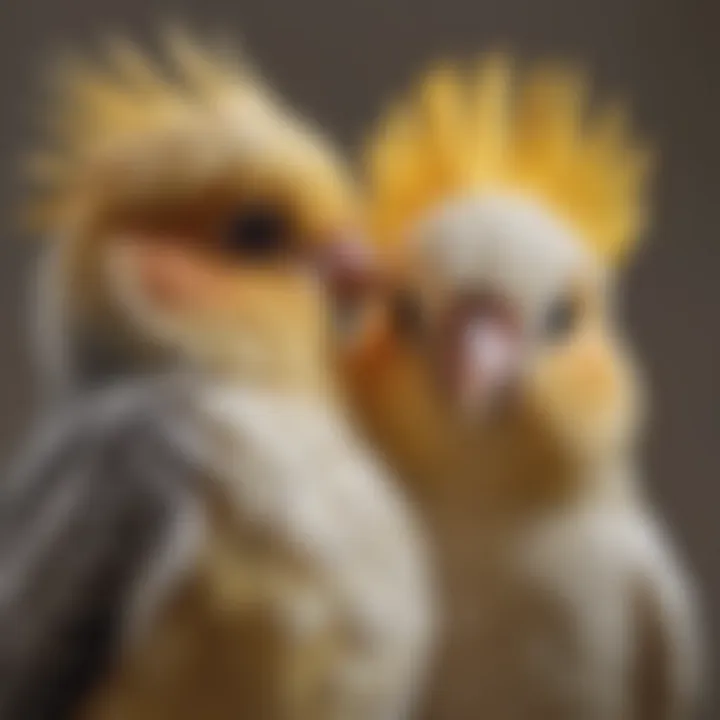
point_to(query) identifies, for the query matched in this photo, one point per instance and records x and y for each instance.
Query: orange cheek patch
(582, 382)
(179, 277)
(592, 370)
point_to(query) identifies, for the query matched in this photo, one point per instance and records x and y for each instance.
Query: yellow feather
(442, 118)
(490, 131)
(99, 107)
(491, 120)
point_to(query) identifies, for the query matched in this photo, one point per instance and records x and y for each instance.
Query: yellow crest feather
(98, 109)
(131, 94)
(487, 131)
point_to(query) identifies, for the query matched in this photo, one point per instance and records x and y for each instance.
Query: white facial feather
(504, 244)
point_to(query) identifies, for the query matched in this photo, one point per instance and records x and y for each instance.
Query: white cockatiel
(496, 379)
(197, 533)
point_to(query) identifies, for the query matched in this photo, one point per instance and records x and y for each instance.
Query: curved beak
(348, 267)
(481, 353)
(352, 276)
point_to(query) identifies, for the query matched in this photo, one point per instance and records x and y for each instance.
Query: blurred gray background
(339, 60)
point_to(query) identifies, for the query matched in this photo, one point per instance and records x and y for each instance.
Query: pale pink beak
(350, 272)
(348, 266)
(482, 353)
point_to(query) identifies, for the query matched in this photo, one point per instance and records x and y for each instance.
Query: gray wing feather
(81, 520)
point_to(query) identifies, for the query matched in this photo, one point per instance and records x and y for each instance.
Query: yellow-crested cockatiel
(495, 378)
(197, 533)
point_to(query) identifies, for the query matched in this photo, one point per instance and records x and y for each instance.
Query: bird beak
(347, 266)
(351, 273)
(481, 354)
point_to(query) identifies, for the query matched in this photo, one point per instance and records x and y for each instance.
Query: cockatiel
(197, 533)
(495, 377)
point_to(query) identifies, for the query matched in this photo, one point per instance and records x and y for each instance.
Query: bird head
(502, 212)
(197, 219)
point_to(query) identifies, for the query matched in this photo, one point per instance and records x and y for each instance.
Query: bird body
(298, 598)
(580, 611)
(560, 595)
(495, 377)
(201, 535)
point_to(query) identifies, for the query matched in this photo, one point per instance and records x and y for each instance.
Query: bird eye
(407, 314)
(562, 317)
(258, 233)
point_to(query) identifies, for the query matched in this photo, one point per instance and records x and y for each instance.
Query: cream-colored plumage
(309, 566)
(562, 599)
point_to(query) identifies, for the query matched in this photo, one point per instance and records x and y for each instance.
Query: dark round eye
(407, 313)
(258, 233)
(562, 317)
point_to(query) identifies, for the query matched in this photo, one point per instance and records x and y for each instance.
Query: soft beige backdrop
(339, 59)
